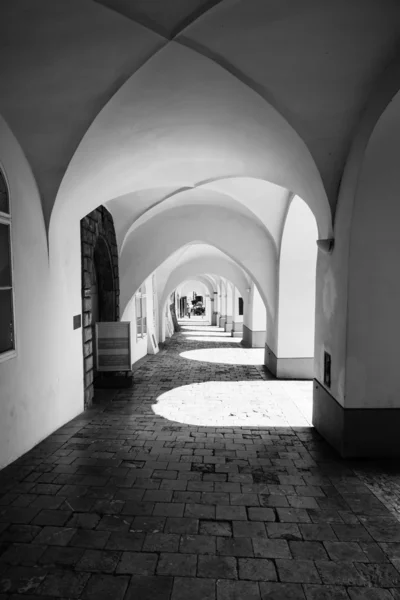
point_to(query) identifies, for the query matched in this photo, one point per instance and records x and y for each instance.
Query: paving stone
(138, 563)
(319, 532)
(217, 567)
(128, 541)
(302, 502)
(271, 548)
(237, 590)
(352, 533)
(329, 515)
(261, 514)
(297, 571)
(148, 524)
(215, 498)
(16, 514)
(308, 550)
(340, 573)
(281, 591)
(21, 579)
(83, 520)
(381, 529)
(63, 584)
(293, 515)
(285, 531)
(200, 511)
(220, 528)
(149, 588)
(86, 538)
(325, 592)
(363, 593)
(181, 525)
(114, 523)
(227, 546)
(345, 551)
(22, 554)
(193, 588)
(55, 536)
(20, 533)
(161, 542)
(229, 513)
(47, 502)
(168, 510)
(244, 499)
(380, 574)
(179, 565)
(55, 555)
(158, 496)
(273, 500)
(253, 529)
(105, 587)
(108, 507)
(52, 517)
(373, 552)
(257, 569)
(104, 561)
(198, 544)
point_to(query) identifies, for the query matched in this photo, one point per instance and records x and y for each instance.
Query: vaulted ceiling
(151, 105)
(314, 62)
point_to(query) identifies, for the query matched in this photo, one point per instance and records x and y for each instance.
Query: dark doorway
(100, 285)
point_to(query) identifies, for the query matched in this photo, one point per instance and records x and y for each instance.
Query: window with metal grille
(141, 316)
(154, 303)
(7, 325)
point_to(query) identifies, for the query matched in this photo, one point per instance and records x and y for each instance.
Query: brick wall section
(97, 224)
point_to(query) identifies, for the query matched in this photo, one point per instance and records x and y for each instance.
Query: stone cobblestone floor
(205, 481)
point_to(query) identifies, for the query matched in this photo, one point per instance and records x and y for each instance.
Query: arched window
(240, 306)
(7, 337)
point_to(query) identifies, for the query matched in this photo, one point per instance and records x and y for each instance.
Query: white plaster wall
(42, 387)
(229, 300)
(297, 274)
(372, 363)
(255, 317)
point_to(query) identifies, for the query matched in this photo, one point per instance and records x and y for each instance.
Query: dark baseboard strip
(356, 432)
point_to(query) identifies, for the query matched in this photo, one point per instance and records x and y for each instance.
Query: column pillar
(229, 308)
(222, 319)
(254, 320)
(215, 315)
(237, 320)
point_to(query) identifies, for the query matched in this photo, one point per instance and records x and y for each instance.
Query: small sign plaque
(113, 346)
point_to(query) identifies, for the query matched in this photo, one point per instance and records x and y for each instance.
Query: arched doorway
(100, 285)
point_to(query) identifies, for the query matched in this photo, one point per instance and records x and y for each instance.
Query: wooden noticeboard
(113, 346)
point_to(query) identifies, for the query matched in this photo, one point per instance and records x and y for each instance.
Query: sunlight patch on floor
(227, 356)
(239, 404)
(216, 340)
(217, 336)
(207, 328)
